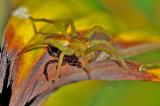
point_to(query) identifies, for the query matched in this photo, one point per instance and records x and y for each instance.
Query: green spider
(71, 44)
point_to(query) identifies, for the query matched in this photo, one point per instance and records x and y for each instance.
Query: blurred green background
(4, 13)
(102, 93)
(134, 16)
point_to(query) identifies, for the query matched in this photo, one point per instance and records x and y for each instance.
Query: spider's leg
(108, 43)
(34, 26)
(90, 51)
(45, 72)
(61, 25)
(99, 45)
(70, 24)
(73, 29)
(30, 48)
(85, 62)
(60, 62)
(33, 21)
(94, 29)
(85, 59)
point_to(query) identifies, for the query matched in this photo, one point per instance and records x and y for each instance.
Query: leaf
(37, 87)
(107, 70)
(155, 71)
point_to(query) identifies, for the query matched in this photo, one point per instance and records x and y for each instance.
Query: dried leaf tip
(21, 12)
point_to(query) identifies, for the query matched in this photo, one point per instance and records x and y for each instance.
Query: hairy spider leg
(34, 26)
(56, 23)
(94, 29)
(111, 52)
(107, 43)
(30, 48)
(45, 72)
(97, 47)
(60, 61)
(73, 28)
(61, 25)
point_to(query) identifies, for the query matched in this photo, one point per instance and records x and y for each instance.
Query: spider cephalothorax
(69, 47)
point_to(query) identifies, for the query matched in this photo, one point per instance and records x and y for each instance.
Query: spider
(65, 45)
